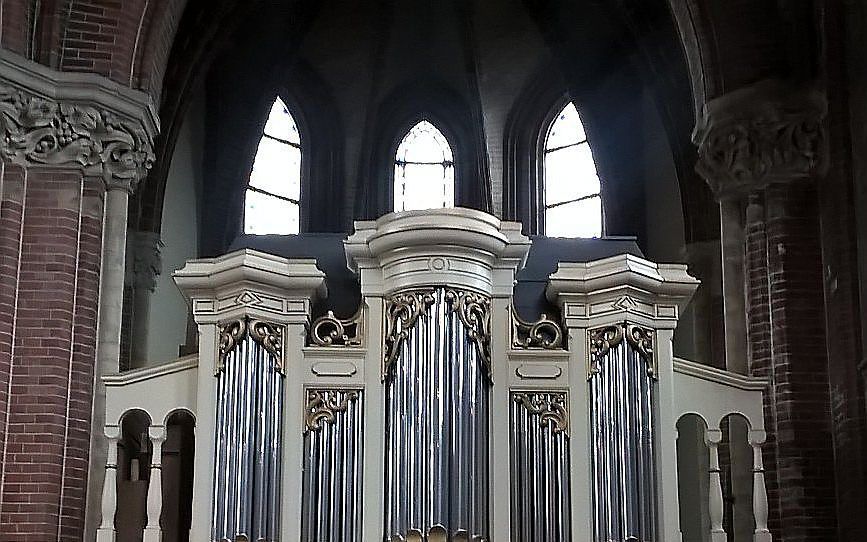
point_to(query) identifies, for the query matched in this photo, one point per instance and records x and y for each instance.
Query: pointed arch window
(573, 202)
(424, 170)
(272, 202)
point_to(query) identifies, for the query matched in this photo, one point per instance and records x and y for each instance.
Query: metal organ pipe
(437, 388)
(540, 467)
(248, 441)
(331, 506)
(621, 381)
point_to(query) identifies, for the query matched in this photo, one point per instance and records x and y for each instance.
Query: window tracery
(272, 200)
(572, 194)
(424, 170)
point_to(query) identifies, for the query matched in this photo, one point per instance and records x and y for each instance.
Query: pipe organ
(436, 413)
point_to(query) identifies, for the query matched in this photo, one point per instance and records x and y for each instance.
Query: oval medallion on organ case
(538, 371)
(334, 368)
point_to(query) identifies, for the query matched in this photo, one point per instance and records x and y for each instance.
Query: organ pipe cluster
(332, 466)
(621, 380)
(540, 467)
(246, 504)
(437, 388)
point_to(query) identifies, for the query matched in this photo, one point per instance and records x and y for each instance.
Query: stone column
(764, 147)
(73, 147)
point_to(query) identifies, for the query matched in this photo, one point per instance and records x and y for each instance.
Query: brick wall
(48, 412)
(128, 41)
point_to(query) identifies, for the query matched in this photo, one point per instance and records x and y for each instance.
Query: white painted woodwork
(153, 532)
(106, 531)
(712, 438)
(760, 494)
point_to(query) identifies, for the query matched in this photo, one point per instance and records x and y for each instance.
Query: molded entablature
(454, 247)
(252, 283)
(619, 288)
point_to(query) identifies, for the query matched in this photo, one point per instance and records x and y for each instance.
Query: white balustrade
(153, 532)
(760, 494)
(712, 438)
(106, 531)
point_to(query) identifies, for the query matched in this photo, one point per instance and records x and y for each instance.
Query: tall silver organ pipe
(540, 467)
(437, 383)
(246, 504)
(331, 506)
(621, 379)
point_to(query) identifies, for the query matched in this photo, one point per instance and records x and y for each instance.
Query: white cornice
(457, 247)
(252, 283)
(208, 276)
(603, 277)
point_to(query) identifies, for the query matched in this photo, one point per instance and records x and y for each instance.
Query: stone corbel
(144, 261)
(765, 133)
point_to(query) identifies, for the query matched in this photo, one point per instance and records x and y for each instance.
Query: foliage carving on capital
(39, 131)
(763, 134)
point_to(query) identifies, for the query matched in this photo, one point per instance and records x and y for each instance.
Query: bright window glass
(424, 170)
(573, 204)
(272, 202)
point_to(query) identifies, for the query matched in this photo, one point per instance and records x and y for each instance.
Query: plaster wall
(167, 318)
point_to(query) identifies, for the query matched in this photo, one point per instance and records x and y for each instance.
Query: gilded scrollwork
(641, 338)
(543, 333)
(402, 311)
(603, 339)
(41, 131)
(550, 407)
(268, 335)
(231, 333)
(322, 407)
(329, 330)
(474, 310)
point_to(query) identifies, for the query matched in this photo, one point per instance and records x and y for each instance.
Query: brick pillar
(765, 145)
(70, 144)
(51, 368)
(800, 363)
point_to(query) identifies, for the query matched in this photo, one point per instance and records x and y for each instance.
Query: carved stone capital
(85, 121)
(144, 262)
(767, 133)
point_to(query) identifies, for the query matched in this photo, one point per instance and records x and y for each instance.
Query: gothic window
(274, 190)
(424, 172)
(573, 205)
